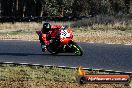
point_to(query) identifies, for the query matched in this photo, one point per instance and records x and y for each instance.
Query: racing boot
(43, 48)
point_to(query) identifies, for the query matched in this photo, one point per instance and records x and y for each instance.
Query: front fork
(68, 47)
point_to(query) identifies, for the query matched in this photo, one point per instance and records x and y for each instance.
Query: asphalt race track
(96, 56)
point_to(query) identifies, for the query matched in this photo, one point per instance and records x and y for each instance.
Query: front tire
(77, 49)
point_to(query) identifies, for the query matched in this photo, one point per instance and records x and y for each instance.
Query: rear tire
(52, 49)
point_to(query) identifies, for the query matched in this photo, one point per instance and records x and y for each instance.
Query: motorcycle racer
(58, 39)
(48, 34)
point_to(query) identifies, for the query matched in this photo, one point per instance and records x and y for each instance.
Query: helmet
(46, 27)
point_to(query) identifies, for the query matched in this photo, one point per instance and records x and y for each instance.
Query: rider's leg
(43, 46)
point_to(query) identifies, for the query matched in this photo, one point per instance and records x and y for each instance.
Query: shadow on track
(32, 54)
(64, 55)
(19, 54)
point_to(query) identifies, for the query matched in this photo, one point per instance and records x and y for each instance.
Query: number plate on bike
(64, 34)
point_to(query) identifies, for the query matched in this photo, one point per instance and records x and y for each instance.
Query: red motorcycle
(61, 41)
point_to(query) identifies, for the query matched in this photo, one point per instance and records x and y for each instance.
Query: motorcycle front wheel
(77, 49)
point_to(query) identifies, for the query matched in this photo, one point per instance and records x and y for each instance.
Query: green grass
(21, 72)
(24, 76)
(16, 32)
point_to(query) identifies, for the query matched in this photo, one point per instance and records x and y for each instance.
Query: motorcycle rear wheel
(52, 49)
